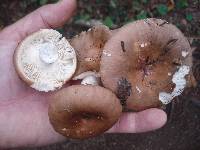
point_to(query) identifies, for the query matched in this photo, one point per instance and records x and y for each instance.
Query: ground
(182, 131)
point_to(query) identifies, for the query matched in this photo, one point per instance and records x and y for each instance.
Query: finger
(49, 16)
(146, 120)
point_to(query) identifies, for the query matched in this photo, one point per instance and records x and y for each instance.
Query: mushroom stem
(91, 80)
(48, 53)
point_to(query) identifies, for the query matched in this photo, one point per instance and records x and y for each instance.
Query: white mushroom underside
(86, 74)
(47, 59)
(185, 53)
(88, 78)
(180, 82)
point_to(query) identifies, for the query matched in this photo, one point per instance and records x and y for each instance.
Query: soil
(182, 131)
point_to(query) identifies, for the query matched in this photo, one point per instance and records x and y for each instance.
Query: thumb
(48, 16)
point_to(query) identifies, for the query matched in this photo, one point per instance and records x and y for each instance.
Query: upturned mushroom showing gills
(83, 111)
(45, 60)
(146, 63)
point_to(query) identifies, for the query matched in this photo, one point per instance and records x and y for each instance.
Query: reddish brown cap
(144, 61)
(88, 46)
(83, 111)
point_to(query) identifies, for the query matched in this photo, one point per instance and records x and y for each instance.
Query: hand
(23, 111)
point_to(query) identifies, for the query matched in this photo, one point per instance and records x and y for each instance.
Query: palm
(23, 111)
(12, 88)
(21, 107)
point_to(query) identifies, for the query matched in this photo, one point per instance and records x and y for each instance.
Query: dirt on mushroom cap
(146, 53)
(81, 111)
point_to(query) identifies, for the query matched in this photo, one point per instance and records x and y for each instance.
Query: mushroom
(146, 63)
(88, 46)
(83, 111)
(45, 60)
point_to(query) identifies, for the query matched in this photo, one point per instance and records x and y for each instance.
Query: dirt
(182, 131)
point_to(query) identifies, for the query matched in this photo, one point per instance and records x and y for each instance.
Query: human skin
(23, 111)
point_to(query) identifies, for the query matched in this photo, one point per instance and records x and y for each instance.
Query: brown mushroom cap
(142, 60)
(88, 46)
(81, 111)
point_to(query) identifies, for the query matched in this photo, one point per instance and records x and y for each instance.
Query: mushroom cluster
(141, 65)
